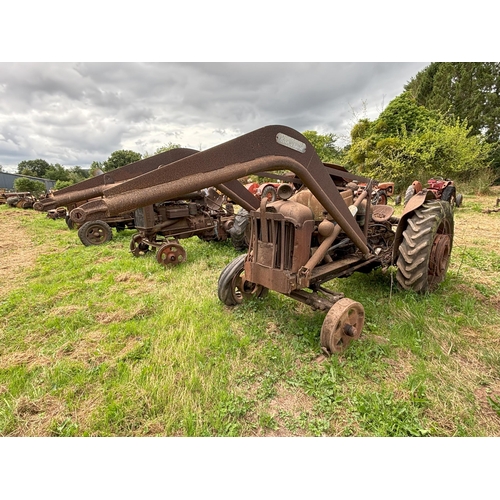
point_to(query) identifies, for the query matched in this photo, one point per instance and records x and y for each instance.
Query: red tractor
(443, 189)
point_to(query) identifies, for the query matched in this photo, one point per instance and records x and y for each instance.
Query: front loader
(97, 232)
(327, 229)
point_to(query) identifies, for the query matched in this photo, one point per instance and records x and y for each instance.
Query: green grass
(95, 342)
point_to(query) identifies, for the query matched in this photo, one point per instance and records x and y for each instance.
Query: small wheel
(459, 200)
(69, 222)
(95, 232)
(232, 287)
(170, 254)
(270, 193)
(343, 324)
(380, 198)
(397, 200)
(137, 247)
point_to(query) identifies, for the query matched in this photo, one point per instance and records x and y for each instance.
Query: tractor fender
(415, 202)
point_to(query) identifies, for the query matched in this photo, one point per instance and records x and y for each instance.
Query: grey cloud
(79, 112)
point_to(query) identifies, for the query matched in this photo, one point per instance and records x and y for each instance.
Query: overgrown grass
(95, 342)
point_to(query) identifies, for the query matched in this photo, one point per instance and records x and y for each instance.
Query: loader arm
(93, 187)
(271, 148)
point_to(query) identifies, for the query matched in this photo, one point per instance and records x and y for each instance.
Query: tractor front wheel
(233, 288)
(95, 232)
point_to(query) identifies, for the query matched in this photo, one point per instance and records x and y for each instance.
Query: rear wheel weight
(424, 253)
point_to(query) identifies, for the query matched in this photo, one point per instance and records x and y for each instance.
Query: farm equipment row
(327, 228)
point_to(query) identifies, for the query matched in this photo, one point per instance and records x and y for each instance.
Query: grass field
(96, 342)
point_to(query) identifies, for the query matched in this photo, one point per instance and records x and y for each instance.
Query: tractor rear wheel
(424, 253)
(449, 194)
(95, 232)
(232, 287)
(270, 193)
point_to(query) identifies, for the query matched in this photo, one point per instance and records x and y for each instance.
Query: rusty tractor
(300, 242)
(19, 199)
(205, 213)
(443, 189)
(99, 232)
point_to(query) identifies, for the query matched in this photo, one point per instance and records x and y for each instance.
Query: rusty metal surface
(93, 187)
(270, 148)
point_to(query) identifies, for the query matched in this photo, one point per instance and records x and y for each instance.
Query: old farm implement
(298, 243)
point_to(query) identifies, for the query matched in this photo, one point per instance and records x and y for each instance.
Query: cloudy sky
(77, 113)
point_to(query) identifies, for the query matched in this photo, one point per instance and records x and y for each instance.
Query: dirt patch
(16, 248)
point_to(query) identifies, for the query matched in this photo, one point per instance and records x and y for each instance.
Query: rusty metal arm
(94, 187)
(270, 148)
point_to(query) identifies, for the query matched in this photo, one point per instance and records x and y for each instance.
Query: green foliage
(465, 90)
(119, 159)
(324, 145)
(23, 184)
(409, 142)
(96, 168)
(63, 184)
(35, 168)
(162, 149)
(57, 173)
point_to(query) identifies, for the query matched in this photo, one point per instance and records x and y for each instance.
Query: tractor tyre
(424, 253)
(232, 288)
(240, 231)
(449, 194)
(95, 232)
(270, 193)
(409, 193)
(459, 200)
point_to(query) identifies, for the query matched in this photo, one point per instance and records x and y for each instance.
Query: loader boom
(270, 148)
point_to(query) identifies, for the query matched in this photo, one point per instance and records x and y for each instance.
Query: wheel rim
(343, 324)
(96, 235)
(170, 254)
(439, 258)
(137, 247)
(243, 289)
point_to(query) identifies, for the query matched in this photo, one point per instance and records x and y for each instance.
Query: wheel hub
(440, 254)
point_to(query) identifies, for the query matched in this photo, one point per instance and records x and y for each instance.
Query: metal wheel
(137, 247)
(424, 253)
(95, 232)
(232, 287)
(171, 254)
(343, 324)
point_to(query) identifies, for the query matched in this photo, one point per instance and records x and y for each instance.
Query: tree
(35, 168)
(409, 142)
(119, 159)
(324, 146)
(23, 184)
(466, 90)
(96, 168)
(57, 173)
